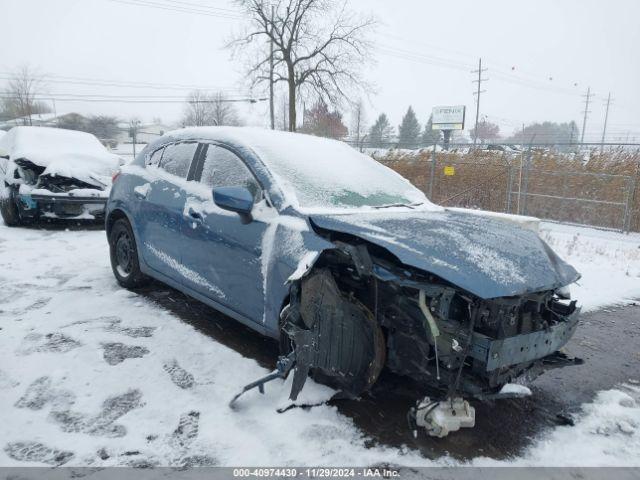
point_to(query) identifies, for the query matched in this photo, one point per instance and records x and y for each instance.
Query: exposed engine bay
(39, 194)
(359, 310)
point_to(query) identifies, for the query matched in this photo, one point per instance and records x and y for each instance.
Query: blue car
(347, 264)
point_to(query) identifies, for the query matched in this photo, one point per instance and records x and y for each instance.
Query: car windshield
(317, 173)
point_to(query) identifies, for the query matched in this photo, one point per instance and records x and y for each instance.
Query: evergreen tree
(381, 132)
(430, 136)
(409, 130)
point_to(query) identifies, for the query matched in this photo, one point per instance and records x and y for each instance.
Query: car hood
(485, 257)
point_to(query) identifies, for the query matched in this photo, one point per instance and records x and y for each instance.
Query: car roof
(254, 138)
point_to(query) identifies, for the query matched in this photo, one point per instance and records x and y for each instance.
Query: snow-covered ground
(91, 374)
(608, 261)
(125, 150)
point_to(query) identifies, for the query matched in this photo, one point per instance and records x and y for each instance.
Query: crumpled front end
(430, 309)
(41, 195)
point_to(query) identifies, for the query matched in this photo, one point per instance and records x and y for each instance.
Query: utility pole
(587, 99)
(271, 112)
(133, 133)
(606, 118)
(477, 94)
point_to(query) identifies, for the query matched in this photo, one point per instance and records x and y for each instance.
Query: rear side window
(177, 157)
(154, 159)
(223, 168)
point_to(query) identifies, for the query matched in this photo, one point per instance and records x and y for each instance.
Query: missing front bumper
(523, 348)
(65, 207)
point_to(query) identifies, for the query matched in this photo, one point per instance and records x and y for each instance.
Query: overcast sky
(541, 56)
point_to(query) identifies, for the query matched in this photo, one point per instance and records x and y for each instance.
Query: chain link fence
(582, 184)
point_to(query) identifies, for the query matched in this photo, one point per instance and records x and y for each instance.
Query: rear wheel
(124, 256)
(8, 208)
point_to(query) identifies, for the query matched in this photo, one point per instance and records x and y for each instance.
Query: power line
(98, 99)
(119, 83)
(205, 11)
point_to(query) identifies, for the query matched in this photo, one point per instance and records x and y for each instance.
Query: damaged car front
(466, 306)
(53, 173)
(471, 308)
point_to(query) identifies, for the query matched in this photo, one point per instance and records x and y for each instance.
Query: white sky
(536, 52)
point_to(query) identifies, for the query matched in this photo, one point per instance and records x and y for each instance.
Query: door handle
(193, 215)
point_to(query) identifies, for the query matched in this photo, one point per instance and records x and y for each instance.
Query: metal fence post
(509, 187)
(631, 193)
(525, 187)
(433, 172)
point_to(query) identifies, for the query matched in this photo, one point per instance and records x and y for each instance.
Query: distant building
(146, 133)
(43, 120)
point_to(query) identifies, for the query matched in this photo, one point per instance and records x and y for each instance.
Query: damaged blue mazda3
(347, 264)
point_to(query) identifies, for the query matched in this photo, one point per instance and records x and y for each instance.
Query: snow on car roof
(316, 172)
(62, 152)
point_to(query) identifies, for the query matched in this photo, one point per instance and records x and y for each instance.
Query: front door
(225, 254)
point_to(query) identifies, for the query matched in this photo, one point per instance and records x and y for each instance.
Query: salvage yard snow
(608, 261)
(91, 374)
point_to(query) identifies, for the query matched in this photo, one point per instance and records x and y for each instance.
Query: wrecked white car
(53, 173)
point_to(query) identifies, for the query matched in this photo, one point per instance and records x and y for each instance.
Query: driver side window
(223, 168)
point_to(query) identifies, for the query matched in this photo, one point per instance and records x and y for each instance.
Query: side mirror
(235, 199)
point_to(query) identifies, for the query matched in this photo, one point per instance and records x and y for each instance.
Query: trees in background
(103, 126)
(197, 111)
(206, 109)
(223, 111)
(429, 135)
(487, 131)
(19, 99)
(73, 121)
(547, 132)
(381, 132)
(322, 122)
(318, 46)
(409, 130)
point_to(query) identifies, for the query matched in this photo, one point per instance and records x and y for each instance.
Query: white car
(53, 173)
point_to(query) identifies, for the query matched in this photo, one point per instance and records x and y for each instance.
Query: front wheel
(124, 256)
(8, 208)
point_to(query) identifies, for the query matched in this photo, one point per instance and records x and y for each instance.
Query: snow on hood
(483, 256)
(65, 153)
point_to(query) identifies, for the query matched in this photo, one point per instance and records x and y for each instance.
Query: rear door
(225, 254)
(162, 208)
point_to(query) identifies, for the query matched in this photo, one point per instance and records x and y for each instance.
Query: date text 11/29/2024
(319, 472)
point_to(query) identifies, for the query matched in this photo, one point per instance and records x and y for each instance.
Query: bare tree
(486, 131)
(223, 111)
(20, 95)
(197, 111)
(209, 109)
(319, 47)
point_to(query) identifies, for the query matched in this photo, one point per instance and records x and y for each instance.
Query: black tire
(124, 256)
(9, 209)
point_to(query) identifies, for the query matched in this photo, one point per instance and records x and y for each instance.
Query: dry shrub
(593, 188)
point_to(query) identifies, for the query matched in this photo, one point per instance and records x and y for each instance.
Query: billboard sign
(448, 117)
